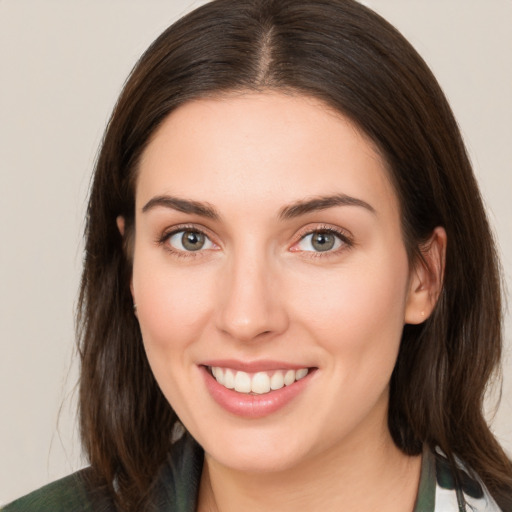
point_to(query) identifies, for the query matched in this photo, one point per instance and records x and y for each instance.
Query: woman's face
(268, 251)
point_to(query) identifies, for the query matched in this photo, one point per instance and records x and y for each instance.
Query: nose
(251, 306)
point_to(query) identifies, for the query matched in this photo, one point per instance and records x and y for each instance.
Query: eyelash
(164, 240)
(345, 238)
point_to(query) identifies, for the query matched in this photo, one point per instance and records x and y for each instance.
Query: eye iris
(192, 240)
(323, 241)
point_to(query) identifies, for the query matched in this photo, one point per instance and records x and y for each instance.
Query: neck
(359, 476)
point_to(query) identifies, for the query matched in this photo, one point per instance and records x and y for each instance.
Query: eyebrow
(291, 211)
(322, 203)
(182, 205)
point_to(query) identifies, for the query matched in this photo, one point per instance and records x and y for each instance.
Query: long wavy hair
(344, 54)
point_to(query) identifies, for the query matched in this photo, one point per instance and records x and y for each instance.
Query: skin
(259, 290)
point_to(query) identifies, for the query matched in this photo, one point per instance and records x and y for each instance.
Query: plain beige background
(62, 64)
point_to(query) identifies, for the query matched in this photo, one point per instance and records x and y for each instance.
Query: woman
(277, 255)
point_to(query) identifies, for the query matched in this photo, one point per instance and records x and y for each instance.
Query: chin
(256, 450)
(258, 461)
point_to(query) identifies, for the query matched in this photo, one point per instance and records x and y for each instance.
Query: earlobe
(426, 279)
(120, 224)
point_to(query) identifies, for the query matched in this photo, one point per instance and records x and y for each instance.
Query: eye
(189, 241)
(321, 241)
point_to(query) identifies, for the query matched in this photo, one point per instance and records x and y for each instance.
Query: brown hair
(347, 56)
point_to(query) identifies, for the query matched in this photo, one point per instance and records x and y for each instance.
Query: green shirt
(178, 486)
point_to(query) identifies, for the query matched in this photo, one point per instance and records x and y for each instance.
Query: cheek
(357, 309)
(172, 305)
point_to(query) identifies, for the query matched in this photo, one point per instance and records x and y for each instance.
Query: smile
(255, 390)
(257, 383)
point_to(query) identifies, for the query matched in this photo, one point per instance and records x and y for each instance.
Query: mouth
(258, 383)
(256, 390)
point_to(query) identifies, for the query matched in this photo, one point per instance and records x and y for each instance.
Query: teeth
(300, 374)
(256, 383)
(229, 379)
(219, 375)
(260, 383)
(289, 377)
(242, 382)
(277, 381)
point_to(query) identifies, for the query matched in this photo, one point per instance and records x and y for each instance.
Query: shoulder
(175, 488)
(73, 492)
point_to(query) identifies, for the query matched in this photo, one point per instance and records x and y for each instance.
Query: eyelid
(163, 239)
(344, 235)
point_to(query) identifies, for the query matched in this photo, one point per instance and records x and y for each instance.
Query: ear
(426, 280)
(120, 224)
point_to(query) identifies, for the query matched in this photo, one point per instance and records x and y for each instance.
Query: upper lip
(253, 366)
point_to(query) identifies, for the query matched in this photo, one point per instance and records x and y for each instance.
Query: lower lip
(253, 406)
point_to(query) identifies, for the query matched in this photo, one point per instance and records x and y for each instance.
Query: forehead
(263, 148)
